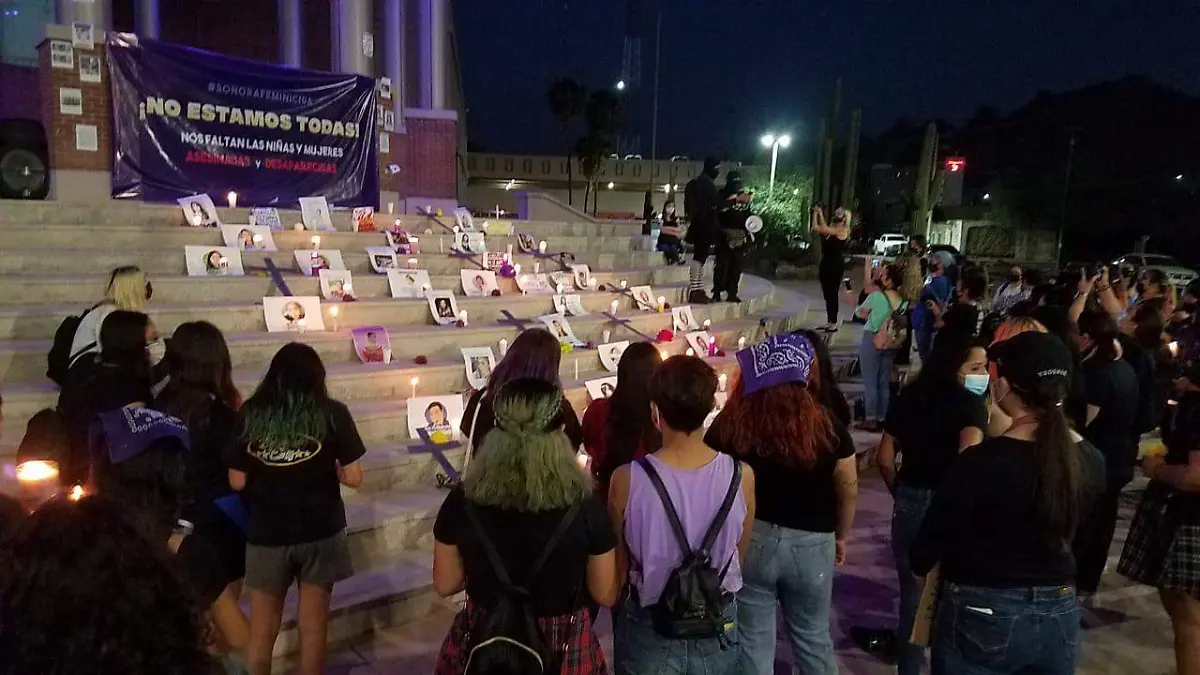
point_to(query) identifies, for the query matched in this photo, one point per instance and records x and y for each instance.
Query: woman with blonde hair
(524, 531)
(128, 289)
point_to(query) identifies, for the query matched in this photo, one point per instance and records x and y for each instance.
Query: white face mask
(157, 351)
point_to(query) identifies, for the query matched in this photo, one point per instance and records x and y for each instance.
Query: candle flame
(76, 493)
(333, 311)
(414, 381)
(36, 471)
(691, 352)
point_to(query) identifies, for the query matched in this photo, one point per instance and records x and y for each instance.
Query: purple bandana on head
(778, 360)
(129, 431)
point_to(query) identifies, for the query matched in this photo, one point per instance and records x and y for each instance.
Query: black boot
(716, 297)
(733, 298)
(697, 297)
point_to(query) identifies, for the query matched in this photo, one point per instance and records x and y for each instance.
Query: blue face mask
(976, 383)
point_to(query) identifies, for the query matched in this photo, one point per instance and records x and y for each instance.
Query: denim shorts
(272, 569)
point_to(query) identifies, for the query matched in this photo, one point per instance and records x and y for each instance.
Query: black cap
(1027, 360)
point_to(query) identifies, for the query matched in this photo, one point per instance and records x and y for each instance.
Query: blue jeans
(877, 374)
(1000, 631)
(793, 568)
(908, 512)
(638, 650)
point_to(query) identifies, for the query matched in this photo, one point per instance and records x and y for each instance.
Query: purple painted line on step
(469, 258)
(613, 318)
(277, 277)
(438, 450)
(519, 324)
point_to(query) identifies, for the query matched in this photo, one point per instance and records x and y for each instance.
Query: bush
(785, 235)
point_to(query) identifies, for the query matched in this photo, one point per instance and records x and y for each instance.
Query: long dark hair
(535, 353)
(822, 381)
(949, 352)
(1059, 464)
(123, 341)
(200, 371)
(66, 605)
(1098, 326)
(629, 423)
(288, 405)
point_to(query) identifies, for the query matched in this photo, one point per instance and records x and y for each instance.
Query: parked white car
(890, 244)
(1178, 275)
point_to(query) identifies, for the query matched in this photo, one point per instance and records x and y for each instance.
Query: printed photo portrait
(402, 242)
(493, 260)
(293, 313)
(267, 217)
(478, 283)
(443, 307)
(479, 362)
(526, 243)
(698, 341)
(582, 275)
(312, 262)
(438, 416)
(601, 388)
(683, 320)
(362, 219)
(314, 211)
(406, 283)
(337, 285)
(559, 327)
(382, 259)
(372, 344)
(470, 242)
(566, 279)
(464, 220)
(534, 283)
(199, 211)
(569, 304)
(644, 297)
(213, 261)
(248, 237)
(610, 354)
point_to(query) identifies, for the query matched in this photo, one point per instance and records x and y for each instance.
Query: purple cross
(519, 324)
(469, 258)
(556, 258)
(277, 277)
(614, 319)
(438, 450)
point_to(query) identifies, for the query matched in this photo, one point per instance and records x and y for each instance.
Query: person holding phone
(833, 265)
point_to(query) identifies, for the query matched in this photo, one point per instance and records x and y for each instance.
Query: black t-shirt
(926, 422)
(293, 494)
(961, 321)
(211, 432)
(519, 538)
(1149, 408)
(1112, 386)
(981, 524)
(486, 421)
(1181, 436)
(789, 496)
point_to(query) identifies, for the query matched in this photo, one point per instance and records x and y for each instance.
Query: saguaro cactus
(850, 168)
(925, 183)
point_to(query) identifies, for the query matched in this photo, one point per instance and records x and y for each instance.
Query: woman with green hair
(526, 503)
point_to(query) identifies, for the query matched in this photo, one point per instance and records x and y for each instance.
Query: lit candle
(707, 324)
(413, 383)
(576, 369)
(712, 345)
(232, 197)
(509, 254)
(37, 471)
(1173, 347)
(258, 240)
(316, 241)
(542, 246)
(607, 335)
(613, 306)
(348, 290)
(559, 288)
(503, 347)
(663, 353)
(537, 268)
(662, 303)
(624, 284)
(517, 268)
(301, 324)
(396, 224)
(441, 246)
(391, 207)
(77, 492)
(456, 230)
(412, 263)
(584, 459)
(333, 313)
(462, 316)
(722, 380)
(741, 343)
(690, 351)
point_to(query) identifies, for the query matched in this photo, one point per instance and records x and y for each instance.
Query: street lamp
(774, 143)
(620, 85)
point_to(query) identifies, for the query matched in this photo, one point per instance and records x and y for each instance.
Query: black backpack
(692, 604)
(59, 359)
(508, 640)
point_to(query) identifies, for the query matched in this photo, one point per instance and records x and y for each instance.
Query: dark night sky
(733, 69)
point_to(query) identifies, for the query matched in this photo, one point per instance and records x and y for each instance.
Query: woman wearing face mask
(880, 307)
(120, 377)
(1012, 291)
(949, 388)
(668, 236)
(1001, 524)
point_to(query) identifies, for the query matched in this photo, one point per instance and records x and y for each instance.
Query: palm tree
(602, 114)
(566, 98)
(591, 151)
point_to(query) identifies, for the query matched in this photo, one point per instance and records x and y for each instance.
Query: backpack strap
(493, 556)
(714, 529)
(71, 358)
(665, 498)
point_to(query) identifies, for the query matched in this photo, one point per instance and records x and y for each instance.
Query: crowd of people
(1007, 454)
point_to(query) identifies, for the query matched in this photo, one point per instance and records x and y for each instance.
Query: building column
(431, 23)
(350, 27)
(98, 14)
(147, 22)
(393, 54)
(290, 34)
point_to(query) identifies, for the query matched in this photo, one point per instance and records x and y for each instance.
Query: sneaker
(698, 298)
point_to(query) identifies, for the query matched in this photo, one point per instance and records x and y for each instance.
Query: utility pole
(646, 229)
(1062, 215)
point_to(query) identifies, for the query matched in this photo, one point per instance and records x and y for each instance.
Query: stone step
(171, 262)
(22, 212)
(78, 291)
(89, 236)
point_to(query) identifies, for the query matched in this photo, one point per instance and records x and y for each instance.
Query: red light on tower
(955, 164)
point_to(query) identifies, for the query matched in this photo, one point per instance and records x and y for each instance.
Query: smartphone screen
(875, 262)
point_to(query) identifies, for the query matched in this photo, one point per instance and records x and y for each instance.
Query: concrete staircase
(54, 260)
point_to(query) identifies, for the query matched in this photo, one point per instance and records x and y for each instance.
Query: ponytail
(1060, 471)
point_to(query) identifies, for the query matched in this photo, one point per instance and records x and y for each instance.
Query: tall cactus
(819, 167)
(924, 183)
(850, 168)
(827, 176)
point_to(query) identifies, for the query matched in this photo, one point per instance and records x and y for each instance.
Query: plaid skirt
(570, 636)
(1160, 550)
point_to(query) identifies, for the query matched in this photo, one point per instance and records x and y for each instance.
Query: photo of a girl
(212, 262)
(246, 240)
(293, 312)
(437, 423)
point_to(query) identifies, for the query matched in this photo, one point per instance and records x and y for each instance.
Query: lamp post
(774, 143)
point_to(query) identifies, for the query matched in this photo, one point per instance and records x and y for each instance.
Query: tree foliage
(784, 210)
